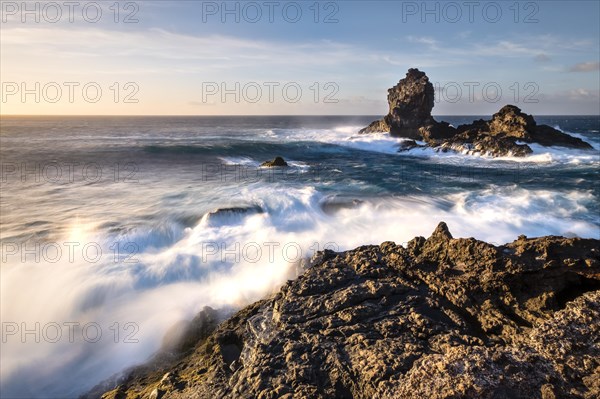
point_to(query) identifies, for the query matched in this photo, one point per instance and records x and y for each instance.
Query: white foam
(171, 272)
(178, 272)
(247, 161)
(347, 136)
(244, 161)
(298, 164)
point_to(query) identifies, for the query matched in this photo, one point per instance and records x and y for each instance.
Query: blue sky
(337, 58)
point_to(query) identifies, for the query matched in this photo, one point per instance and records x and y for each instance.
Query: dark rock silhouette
(278, 161)
(410, 104)
(499, 136)
(439, 318)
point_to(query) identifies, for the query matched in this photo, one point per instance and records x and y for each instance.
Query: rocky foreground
(441, 318)
(508, 132)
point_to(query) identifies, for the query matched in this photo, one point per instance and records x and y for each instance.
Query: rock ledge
(439, 318)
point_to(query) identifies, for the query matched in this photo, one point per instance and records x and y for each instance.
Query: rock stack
(410, 104)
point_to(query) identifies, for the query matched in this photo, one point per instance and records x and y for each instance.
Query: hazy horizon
(252, 115)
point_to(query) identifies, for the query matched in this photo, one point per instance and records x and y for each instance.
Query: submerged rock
(332, 205)
(439, 318)
(230, 215)
(410, 104)
(407, 145)
(278, 161)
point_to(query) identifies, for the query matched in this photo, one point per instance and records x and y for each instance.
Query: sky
(296, 57)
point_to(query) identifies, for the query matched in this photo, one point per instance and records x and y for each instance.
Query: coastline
(441, 317)
(193, 187)
(251, 200)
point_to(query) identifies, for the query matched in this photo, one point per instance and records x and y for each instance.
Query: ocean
(113, 229)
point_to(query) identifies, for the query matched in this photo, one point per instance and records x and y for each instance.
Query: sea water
(113, 229)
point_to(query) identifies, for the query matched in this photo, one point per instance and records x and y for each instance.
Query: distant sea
(115, 228)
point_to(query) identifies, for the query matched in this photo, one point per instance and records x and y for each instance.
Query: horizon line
(251, 115)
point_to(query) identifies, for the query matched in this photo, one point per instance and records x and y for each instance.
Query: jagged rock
(410, 104)
(477, 141)
(441, 318)
(278, 161)
(378, 126)
(437, 131)
(511, 121)
(407, 145)
(499, 135)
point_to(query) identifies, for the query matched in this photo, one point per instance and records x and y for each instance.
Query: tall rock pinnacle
(410, 102)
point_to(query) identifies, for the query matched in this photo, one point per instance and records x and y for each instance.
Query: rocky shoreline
(508, 133)
(439, 318)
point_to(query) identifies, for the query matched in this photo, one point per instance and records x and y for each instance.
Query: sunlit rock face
(506, 134)
(439, 318)
(410, 103)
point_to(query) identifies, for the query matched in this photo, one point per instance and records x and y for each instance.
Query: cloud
(582, 94)
(170, 66)
(585, 67)
(523, 46)
(541, 57)
(57, 53)
(429, 41)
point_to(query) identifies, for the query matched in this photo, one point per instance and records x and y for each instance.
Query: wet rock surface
(439, 318)
(410, 104)
(508, 132)
(278, 161)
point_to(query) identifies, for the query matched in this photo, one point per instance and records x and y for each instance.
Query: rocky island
(278, 161)
(508, 132)
(437, 318)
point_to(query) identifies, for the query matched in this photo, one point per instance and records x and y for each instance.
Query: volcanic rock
(406, 145)
(500, 135)
(278, 161)
(410, 104)
(230, 215)
(507, 133)
(442, 317)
